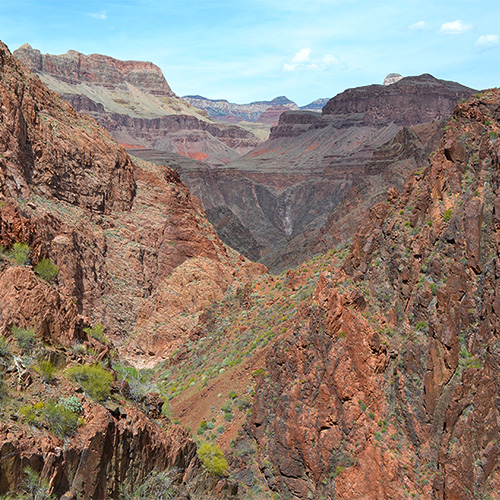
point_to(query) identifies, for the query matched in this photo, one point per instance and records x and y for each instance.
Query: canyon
(365, 366)
(278, 193)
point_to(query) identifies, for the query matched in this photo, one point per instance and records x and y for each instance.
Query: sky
(249, 50)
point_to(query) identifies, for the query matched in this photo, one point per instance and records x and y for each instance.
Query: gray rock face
(392, 78)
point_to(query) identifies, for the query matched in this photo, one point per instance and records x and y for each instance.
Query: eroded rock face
(42, 155)
(74, 67)
(411, 100)
(109, 451)
(134, 102)
(117, 230)
(387, 386)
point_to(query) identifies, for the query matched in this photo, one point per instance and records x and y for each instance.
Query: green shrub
(46, 370)
(62, 421)
(94, 380)
(79, 349)
(139, 381)
(32, 414)
(19, 253)
(25, 338)
(447, 215)
(72, 403)
(421, 325)
(213, 459)
(97, 332)
(156, 486)
(33, 487)
(46, 270)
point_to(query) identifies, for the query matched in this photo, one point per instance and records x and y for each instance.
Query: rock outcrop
(409, 101)
(392, 78)
(107, 453)
(134, 102)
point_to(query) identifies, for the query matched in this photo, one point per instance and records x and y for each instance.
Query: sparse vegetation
(25, 338)
(447, 215)
(156, 486)
(33, 487)
(97, 332)
(94, 380)
(19, 253)
(61, 420)
(213, 459)
(72, 403)
(46, 370)
(46, 270)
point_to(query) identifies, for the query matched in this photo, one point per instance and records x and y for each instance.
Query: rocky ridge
(259, 111)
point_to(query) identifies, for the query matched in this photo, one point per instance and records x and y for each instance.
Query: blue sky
(258, 49)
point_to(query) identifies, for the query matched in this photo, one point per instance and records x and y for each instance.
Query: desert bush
(213, 459)
(94, 380)
(139, 381)
(72, 403)
(33, 487)
(97, 332)
(156, 485)
(25, 338)
(46, 370)
(19, 253)
(32, 414)
(447, 215)
(46, 270)
(62, 421)
(79, 349)
(4, 348)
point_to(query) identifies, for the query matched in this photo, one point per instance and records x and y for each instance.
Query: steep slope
(386, 383)
(134, 102)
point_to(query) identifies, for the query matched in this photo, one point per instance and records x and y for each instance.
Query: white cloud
(302, 56)
(302, 61)
(487, 40)
(99, 15)
(330, 60)
(418, 26)
(290, 67)
(455, 27)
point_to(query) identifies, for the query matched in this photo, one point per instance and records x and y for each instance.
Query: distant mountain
(133, 100)
(316, 105)
(267, 112)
